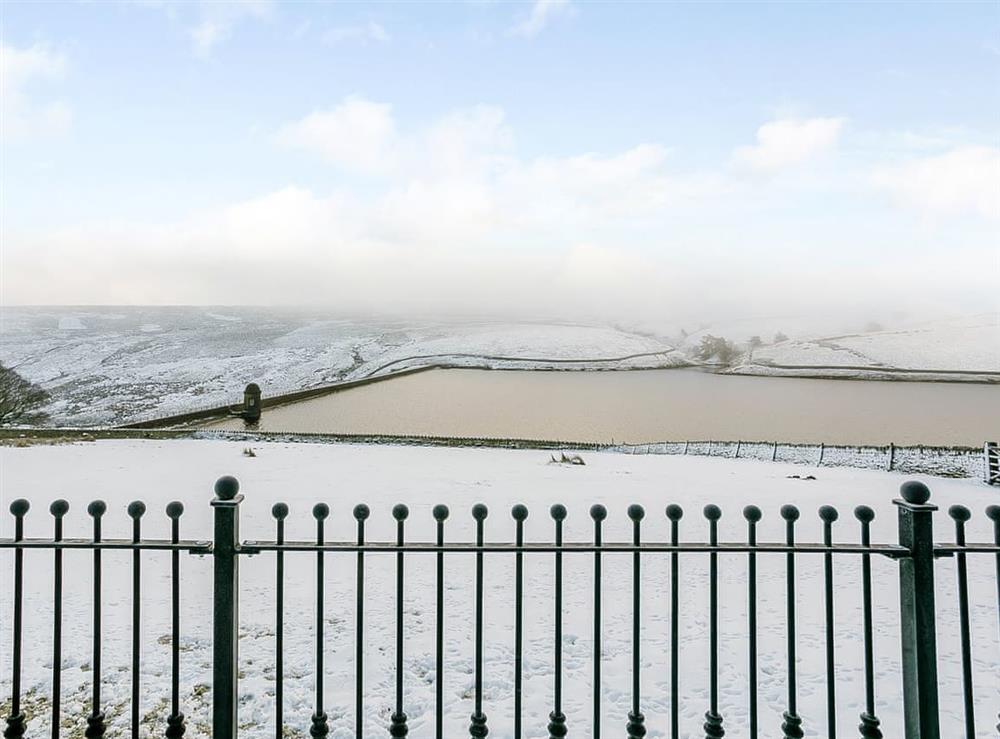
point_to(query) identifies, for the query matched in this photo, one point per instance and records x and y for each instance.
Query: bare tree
(717, 348)
(20, 400)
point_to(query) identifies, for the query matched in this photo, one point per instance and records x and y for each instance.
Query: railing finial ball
(226, 487)
(480, 511)
(789, 512)
(136, 509)
(993, 513)
(712, 512)
(280, 511)
(19, 507)
(915, 492)
(636, 512)
(400, 512)
(59, 508)
(97, 508)
(752, 514)
(362, 512)
(321, 511)
(440, 512)
(960, 513)
(174, 509)
(828, 514)
(674, 512)
(558, 512)
(519, 512)
(598, 512)
(864, 514)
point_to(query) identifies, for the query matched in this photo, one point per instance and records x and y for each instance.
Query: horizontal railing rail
(379, 547)
(915, 555)
(150, 545)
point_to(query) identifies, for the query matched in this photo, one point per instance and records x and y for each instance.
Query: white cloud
(358, 135)
(467, 141)
(543, 12)
(964, 180)
(370, 32)
(451, 217)
(207, 34)
(219, 19)
(22, 69)
(788, 142)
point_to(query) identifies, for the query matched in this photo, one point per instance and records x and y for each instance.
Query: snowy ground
(342, 475)
(967, 345)
(115, 365)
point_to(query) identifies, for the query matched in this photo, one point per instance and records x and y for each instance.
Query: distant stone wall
(942, 461)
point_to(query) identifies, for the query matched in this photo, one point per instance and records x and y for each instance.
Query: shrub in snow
(20, 400)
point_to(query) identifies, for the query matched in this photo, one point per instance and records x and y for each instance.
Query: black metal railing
(915, 552)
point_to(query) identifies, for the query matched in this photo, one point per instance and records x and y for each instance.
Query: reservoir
(648, 405)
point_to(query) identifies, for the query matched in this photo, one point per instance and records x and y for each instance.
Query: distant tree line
(719, 350)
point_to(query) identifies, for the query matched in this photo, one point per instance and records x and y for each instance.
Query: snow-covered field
(116, 365)
(967, 345)
(342, 475)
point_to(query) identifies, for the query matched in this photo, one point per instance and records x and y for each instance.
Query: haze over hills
(112, 365)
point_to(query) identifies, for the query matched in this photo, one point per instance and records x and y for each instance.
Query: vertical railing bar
(828, 514)
(95, 723)
(225, 608)
(869, 726)
(16, 721)
(960, 514)
(674, 513)
(478, 728)
(713, 719)
(519, 514)
(753, 515)
(598, 513)
(440, 516)
(791, 727)
(280, 512)
(175, 721)
(993, 513)
(58, 509)
(398, 727)
(557, 720)
(636, 721)
(918, 630)
(361, 514)
(135, 510)
(320, 728)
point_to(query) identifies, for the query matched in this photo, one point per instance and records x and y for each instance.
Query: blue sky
(581, 155)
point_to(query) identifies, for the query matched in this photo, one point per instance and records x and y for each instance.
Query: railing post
(917, 626)
(226, 607)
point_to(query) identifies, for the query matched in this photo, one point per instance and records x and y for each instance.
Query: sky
(556, 157)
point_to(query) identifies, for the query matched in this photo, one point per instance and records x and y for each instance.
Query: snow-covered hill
(969, 344)
(111, 366)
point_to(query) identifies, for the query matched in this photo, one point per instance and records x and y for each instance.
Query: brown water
(649, 405)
